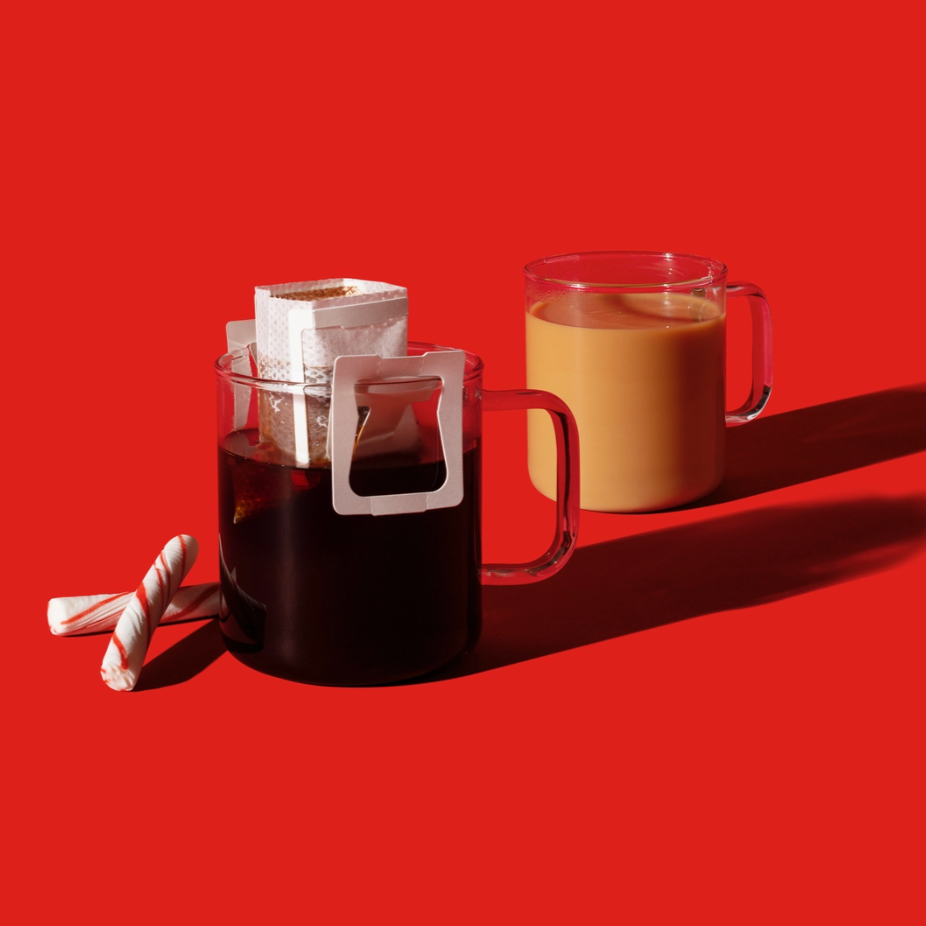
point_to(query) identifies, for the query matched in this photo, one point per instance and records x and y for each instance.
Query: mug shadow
(184, 660)
(653, 579)
(738, 561)
(810, 443)
(649, 580)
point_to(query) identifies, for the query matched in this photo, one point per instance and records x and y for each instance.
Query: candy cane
(68, 617)
(126, 651)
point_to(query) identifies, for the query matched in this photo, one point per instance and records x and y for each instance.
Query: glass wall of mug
(322, 597)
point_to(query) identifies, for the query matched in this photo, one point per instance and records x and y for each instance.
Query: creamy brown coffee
(644, 377)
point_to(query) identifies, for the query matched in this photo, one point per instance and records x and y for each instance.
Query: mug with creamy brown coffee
(634, 342)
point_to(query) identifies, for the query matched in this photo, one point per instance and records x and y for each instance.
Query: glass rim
(222, 369)
(716, 270)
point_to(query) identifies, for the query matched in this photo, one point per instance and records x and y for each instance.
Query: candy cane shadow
(184, 660)
(649, 580)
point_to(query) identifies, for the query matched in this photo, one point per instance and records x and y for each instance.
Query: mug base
(342, 678)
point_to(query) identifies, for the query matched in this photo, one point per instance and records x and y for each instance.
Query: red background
(718, 723)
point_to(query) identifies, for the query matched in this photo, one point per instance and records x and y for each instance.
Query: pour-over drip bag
(301, 328)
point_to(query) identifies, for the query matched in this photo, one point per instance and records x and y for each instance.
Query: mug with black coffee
(349, 489)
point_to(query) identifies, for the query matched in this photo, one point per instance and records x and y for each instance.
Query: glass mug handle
(567, 487)
(761, 353)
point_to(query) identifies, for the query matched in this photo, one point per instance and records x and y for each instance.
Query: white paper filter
(301, 329)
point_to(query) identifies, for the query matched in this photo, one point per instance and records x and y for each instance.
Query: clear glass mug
(327, 598)
(635, 343)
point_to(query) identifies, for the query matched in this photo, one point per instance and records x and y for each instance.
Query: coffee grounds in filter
(315, 295)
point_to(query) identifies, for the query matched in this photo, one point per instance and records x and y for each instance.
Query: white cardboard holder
(447, 366)
(374, 303)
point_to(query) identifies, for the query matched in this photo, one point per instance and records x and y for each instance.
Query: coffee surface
(626, 311)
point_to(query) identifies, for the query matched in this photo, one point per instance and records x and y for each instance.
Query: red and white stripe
(96, 613)
(126, 651)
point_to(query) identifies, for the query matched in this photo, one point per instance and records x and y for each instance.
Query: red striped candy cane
(126, 651)
(96, 613)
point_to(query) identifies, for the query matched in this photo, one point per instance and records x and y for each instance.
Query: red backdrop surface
(712, 715)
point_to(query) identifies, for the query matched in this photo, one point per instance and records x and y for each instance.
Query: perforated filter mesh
(336, 307)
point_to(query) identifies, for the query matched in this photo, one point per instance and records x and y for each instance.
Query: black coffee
(345, 599)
